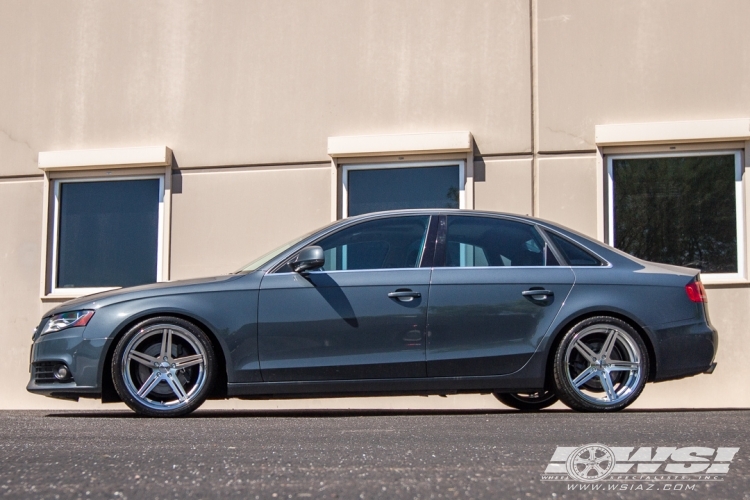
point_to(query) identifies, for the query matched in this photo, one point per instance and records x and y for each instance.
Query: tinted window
(108, 233)
(379, 244)
(484, 241)
(575, 255)
(375, 190)
(677, 210)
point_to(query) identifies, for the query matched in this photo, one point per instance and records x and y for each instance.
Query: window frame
(442, 234)
(54, 290)
(739, 191)
(549, 232)
(347, 167)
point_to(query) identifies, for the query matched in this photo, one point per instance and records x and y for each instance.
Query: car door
(361, 316)
(493, 296)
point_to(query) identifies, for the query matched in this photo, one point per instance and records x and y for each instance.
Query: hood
(97, 300)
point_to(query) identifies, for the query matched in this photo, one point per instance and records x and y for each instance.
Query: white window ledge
(666, 132)
(82, 159)
(394, 144)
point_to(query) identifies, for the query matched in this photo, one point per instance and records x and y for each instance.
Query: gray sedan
(391, 303)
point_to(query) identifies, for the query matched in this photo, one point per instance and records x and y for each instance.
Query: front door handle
(537, 294)
(404, 295)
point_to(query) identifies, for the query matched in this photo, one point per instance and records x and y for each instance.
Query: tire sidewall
(510, 399)
(564, 388)
(130, 400)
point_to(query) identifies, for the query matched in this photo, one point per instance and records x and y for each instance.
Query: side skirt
(384, 387)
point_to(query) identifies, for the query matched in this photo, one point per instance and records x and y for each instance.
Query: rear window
(574, 254)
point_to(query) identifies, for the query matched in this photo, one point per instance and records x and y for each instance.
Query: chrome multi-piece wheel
(529, 401)
(163, 367)
(601, 364)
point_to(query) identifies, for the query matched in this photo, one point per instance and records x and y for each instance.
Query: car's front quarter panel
(228, 311)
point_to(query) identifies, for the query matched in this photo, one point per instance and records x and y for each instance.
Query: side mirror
(308, 258)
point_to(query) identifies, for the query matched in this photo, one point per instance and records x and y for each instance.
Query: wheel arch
(219, 390)
(568, 323)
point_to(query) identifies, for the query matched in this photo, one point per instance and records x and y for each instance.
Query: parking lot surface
(350, 454)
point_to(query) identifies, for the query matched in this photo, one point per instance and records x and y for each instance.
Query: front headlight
(66, 320)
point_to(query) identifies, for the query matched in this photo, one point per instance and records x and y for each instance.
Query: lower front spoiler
(69, 391)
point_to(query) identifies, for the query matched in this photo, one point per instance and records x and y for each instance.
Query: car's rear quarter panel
(655, 302)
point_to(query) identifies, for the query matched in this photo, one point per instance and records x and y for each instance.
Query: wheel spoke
(185, 361)
(164, 367)
(609, 343)
(607, 386)
(177, 388)
(166, 344)
(151, 382)
(584, 376)
(623, 366)
(142, 358)
(585, 351)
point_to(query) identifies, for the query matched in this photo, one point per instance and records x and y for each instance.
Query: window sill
(59, 296)
(709, 281)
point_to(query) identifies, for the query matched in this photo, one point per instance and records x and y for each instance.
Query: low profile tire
(164, 367)
(600, 365)
(530, 401)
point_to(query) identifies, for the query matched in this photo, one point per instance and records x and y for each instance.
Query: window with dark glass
(390, 243)
(678, 210)
(573, 254)
(375, 190)
(486, 241)
(107, 233)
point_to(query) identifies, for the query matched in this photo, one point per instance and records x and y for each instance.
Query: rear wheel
(163, 367)
(601, 364)
(529, 401)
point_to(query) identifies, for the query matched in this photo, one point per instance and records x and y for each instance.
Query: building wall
(247, 93)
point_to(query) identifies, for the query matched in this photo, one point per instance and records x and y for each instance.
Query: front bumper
(83, 357)
(685, 349)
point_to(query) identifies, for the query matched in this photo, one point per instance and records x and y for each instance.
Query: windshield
(257, 263)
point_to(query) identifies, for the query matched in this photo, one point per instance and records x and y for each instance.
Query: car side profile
(391, 303)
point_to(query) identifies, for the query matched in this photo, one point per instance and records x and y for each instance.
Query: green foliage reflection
(677, 210)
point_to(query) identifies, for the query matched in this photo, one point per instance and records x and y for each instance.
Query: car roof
(442, 211)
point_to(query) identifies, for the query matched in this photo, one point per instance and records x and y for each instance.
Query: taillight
(696, 292)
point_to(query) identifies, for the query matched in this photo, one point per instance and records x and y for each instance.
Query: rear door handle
(404, 295)
(537, 294)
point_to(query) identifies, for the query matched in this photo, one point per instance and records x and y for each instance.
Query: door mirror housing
(310, 257)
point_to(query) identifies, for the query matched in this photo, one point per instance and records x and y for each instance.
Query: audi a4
(391, 303)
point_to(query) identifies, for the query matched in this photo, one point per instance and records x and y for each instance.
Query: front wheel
(532, 401)
(163, 367)
(601, 364)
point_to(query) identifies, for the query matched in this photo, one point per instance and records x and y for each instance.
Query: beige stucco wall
(638, 61)
(262, 82)
(503, 185)
(568, 192)
(223, 219)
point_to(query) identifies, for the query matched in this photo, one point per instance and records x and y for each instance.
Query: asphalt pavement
(358, 454)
